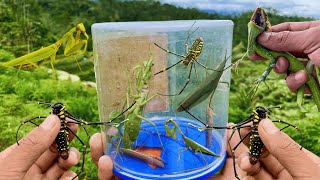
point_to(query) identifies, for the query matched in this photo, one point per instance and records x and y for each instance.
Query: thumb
(285, 150)
(290, 41)
(298, 42)
(32, 146)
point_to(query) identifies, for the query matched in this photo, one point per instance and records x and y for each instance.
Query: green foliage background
(28, 25)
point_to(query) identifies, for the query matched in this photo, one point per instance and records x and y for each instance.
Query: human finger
(74, 129)
(295, 26)
(234, 143)
(256, 56)
(291, 41)
(286, 151)
(296, 80)
(105, 167)
(271, 164)
(241, 132)
(4, 153)
(248, 178)
(255, 170)
(96, 147)
(244, 132)
(61, 166)
(227, 171)
(312, 156)
(32, 146)
(314, 56)
(7, 151)
(68, 175)
(50, 155)
(281, 66)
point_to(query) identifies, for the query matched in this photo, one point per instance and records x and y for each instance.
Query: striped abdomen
(194, 52)
(255, 146)
(62, 141)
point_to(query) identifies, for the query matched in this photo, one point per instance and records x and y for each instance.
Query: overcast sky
(307, 8)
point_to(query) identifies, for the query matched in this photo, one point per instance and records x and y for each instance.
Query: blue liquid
(181, 163)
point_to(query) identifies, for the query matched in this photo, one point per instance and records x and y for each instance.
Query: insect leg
(290, 125)
(207, 68)
(79, 121)
(52, 60)
(84, 151)
(147, 120)
(168, 51)
(195, 71)
(169, 67)
(188, 80)
(202, 157)
(185, 149)
(256, 84)
(233, 156)
(188, 38)
(232, 150)
(239, 125)
(28, 121)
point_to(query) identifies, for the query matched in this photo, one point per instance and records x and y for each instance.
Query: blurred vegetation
(27, 25)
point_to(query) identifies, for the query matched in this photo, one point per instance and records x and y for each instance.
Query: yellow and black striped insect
(255, 143)
(192, 55)
(62, 139)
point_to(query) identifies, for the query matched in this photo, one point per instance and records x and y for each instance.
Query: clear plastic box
(120, 50)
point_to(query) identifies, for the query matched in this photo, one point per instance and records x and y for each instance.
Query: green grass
(20, 93)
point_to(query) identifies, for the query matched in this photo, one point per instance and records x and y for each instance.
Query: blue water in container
(181, 163)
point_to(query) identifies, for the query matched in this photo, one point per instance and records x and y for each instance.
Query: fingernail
(76, 152)
(299, 77)
(50, 122)
(264, 37)
(269, 127)
(278, 66)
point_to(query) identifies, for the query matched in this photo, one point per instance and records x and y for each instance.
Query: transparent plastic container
(120, 50)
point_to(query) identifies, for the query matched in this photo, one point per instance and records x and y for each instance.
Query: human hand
(104, 163)
(298, 38)
(227, 171)
(36, 156)
(281, 158)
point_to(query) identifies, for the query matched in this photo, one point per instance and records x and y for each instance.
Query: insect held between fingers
(255, 143)
(62, 138)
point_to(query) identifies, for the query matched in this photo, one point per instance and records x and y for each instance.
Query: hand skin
(105, 164)
(37, 157)
(281, 157)
(298, 38)
(227, 172)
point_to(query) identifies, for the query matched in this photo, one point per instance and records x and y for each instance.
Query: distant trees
(26, 25)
